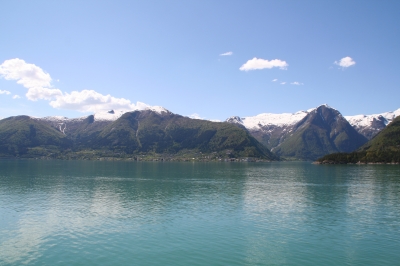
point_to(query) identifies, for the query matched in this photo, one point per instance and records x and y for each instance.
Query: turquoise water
(128, 213)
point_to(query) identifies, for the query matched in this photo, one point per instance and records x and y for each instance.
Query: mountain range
(310, 134)
(154, 131)
(304, 135)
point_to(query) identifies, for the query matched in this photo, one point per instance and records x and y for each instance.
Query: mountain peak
(113, 115)
(158, 109)
(321, 107)
(234, 120)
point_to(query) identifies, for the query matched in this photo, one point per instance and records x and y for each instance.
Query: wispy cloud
(38, 83)
(283, 83)
(16, 97)
(274, 80)
(4, 92)
(226, 54)
(345, 62)
(258, 63)
(297, 83)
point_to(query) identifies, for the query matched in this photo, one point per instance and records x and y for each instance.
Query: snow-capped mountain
(270, 121)
(304, 134)
(370, 125)
(267, 119)
(270, 129)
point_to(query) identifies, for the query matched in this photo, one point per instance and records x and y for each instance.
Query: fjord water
(145, 213)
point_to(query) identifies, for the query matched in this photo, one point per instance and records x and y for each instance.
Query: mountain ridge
(141, 132)
(305, 135)
(370, 125)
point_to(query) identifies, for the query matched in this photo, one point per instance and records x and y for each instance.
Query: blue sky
(74, 58)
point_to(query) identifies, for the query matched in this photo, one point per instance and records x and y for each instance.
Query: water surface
(145, 213)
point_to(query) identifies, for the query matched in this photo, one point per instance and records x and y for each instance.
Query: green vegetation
(140, 135)
(150, 132)
(18, 135)
(322, 132)
(383, 148)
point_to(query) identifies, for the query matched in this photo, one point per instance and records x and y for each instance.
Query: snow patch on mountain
(114, 115)
(158, 109)
(111, 115)
(367, 120)
(267, 119)
(108, 116)
(59, 119)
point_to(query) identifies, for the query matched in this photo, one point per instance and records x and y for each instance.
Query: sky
(203, 59)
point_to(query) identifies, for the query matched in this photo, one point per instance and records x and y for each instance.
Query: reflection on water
(76, 212)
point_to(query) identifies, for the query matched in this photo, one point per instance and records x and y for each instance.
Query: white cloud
(92, 101)
(297, 83)
(283, 83)
(345, 62)
(4, 92)
(31, 77)
(226, 54)
(16, 96)
(39, 86)
(38, 93)
(258, 63)
(274, 80)
(28, 75)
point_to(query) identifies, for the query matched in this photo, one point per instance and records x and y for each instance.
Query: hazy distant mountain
(370, 125)
(150, 131)
(303, 135)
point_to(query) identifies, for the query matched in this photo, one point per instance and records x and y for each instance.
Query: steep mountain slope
(303, 135)
(387, 139)
(324, 130)
(383, 148)
(20, 134)
(370, 125)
